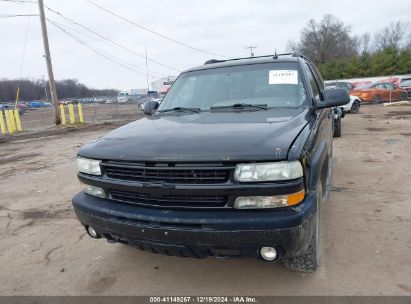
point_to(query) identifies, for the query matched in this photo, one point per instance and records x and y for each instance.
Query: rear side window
(317, 76)
(389, 86)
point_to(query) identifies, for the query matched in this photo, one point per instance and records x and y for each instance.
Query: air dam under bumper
(200, 233)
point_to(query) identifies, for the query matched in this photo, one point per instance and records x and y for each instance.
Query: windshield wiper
(241, 106)
(181, 109)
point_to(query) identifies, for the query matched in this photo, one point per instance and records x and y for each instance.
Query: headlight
(88, 166)
(261, 172)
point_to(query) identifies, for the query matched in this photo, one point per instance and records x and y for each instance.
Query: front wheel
(355, 107)
(404, 96)
(337, 128)
(310, 260)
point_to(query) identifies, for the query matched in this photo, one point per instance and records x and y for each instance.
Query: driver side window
(314, 86)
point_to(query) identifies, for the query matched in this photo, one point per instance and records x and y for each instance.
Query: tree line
(338, 53)
(39, 90)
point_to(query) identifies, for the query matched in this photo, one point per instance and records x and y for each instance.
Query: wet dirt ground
(367, 224)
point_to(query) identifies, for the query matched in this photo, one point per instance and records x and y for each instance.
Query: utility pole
(251, 48)
(52, 83)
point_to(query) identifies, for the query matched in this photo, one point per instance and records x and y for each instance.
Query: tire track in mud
(33, 215)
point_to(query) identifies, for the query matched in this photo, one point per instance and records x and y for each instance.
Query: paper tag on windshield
(283, 77)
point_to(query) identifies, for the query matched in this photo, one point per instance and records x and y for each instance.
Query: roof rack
(297, 54)
(275, 56)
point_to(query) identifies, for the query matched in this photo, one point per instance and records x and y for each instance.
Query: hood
(222, 136)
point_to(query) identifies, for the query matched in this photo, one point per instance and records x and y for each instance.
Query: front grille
(178, 174)
(209, 201)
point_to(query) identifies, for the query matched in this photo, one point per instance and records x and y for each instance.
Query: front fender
(316, 164)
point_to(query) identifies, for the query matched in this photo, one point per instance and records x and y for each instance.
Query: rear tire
(337, 128)
(404, 96)
(355, 107)
(310, 260)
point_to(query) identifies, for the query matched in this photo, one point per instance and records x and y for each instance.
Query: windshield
(406, 83)
(274, 84)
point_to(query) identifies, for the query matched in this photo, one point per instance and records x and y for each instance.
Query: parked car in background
(11, 106)
(358, 83)
(406, 85)
(348, 86)
(377, 92)
(396, 80)
(38, 104)
(6, 106)
(354, 105)
(22, 106)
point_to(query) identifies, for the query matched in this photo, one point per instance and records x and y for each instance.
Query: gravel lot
(45, 251)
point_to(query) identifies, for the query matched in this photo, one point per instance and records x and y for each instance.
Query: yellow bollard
(12, 120)
(63, 115)
(18, 121)
(80, 112)
(8, 122)
(71, 113)
(2, 125)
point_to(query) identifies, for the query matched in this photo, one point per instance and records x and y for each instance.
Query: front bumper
(200, 233)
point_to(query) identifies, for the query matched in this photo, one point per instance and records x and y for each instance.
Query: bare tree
(391, 36)
(328, 39)
(34, 89)
(408, 43)
(365, 43)
(292, 46)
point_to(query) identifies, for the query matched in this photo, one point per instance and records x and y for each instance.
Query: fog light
(92, 190)
(92, 232)
(268, 253)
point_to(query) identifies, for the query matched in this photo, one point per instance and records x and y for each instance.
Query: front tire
(337, 128)
(310, 260)
(404, 96)
(376, 99)
(355, 107)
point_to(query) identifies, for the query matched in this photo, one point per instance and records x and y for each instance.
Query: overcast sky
(223, 27)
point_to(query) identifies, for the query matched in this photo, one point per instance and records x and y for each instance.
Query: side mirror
(150, 107)
(333, 98)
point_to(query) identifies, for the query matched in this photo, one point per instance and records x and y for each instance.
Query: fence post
(18, 121)
(2, 126)
(80, 112)
(71, 113)
(63, 115)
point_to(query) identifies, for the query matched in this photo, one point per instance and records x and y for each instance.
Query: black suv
(234, 162)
